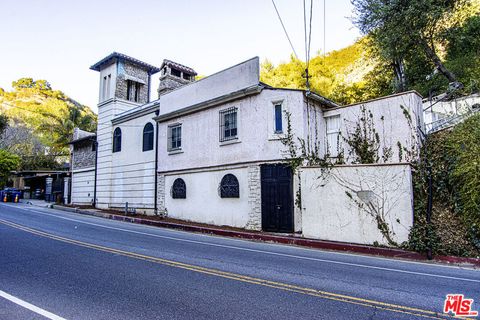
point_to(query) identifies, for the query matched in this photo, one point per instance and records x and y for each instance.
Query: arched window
(148, 137)
(229, 187)
(179, 189)
(117, 140)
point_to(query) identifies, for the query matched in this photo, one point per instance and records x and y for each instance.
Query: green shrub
(454, 156)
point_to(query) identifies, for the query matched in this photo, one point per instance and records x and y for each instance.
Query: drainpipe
(156, 165)
(95, 176)
(148, 89)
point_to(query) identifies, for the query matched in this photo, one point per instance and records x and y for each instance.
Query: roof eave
(115, 56)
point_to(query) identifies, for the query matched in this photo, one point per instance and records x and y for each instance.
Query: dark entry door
(277, 198)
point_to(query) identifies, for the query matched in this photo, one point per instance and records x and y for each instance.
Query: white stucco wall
(256, 139)
(107, 93)
(83, 186)
(132, 169)
(235, 78)
(203, 202)
(393, 128)
(123, 176)
(329, 213)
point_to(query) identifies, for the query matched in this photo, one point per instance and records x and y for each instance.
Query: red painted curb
(311, 243)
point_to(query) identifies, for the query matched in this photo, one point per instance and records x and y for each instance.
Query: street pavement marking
(242, 278)
(30, 306)
(263, 251)
(365, 256)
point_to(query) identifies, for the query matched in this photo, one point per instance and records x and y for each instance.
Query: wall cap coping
(363, 165)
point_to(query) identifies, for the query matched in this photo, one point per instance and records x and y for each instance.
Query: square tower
(124, 78)
(124, 85)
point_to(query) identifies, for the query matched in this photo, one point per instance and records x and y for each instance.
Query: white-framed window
(228, 124)
(109, 81)
(277, 117)
(106, 87)
(333, 135)
(174, 140)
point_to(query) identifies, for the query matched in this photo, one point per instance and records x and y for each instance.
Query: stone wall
(161, 195)
(254, 199)
(127, 68)
(83, 156)
(169, 83)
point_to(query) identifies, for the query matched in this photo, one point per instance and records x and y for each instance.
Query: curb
(291, 240)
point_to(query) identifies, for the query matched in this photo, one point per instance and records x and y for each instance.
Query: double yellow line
(242, 278)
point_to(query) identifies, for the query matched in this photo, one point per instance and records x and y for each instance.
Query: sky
(58, 40)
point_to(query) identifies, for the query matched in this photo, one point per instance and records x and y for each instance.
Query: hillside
(341, 75)
(358, 72)
(40, 122)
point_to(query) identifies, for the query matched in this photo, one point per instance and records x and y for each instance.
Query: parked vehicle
(10, 195)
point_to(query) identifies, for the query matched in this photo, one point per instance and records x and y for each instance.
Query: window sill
(276, 136)
(229, 142)
(177, 151)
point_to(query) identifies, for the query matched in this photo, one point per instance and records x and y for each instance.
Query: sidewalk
(265, 236)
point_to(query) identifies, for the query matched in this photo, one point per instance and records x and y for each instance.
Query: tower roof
(178, 66)
(115, 56)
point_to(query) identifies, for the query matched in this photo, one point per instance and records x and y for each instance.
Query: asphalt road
(71, 266)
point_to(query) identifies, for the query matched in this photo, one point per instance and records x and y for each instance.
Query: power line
(305, 29)
(324, 29)
(310, 32)
(284, 29)
(307, 41)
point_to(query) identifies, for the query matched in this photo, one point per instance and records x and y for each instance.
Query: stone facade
(254, 199)
(126, 69)
(83, 155)
(162, 210)
(169, 83)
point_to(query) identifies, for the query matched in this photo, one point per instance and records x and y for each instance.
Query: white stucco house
(210, 151)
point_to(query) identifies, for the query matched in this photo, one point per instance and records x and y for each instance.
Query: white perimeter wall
(328, 213)
(203, 203)
(82, 186)
(393, 128)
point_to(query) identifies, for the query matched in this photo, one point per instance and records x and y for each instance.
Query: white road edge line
(30, 306)
(260, 251)
(174, 231)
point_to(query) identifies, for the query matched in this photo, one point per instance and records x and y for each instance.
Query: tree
(8, 163)
(3, 123)
(463, 52)
(400, 27)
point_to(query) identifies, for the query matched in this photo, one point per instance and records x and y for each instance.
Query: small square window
(174, 137)
(228, 124)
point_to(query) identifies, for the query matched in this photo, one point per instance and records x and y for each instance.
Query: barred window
(117, 140)
(174, 137)
(229, 187)
(179, 189)
(228, 124)
(148, 137)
